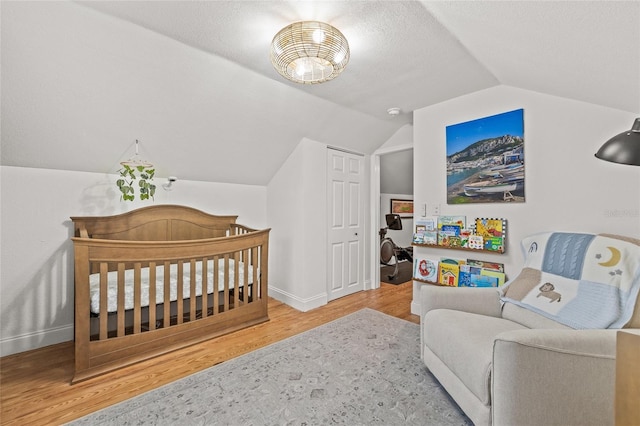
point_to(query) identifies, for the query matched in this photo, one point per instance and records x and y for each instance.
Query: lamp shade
(309, 52)
(623, 148)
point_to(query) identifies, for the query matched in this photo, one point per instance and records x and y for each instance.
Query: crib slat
(152, 296)
(167, 295)
(236, 279)
(137, 300)
(205, 281)
(120, 314)
(216, 284)
(245, 280)
(104, 314)
(179, 300)
(192, 291)
(226, 282)
(256, 266)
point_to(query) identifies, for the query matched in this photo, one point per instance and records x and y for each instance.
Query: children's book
(493, 232)
(427, 223)
(497, 274)
(449, 229)
(486, 265)
(464, 237)
(448, 274)
(449, 271)
(475, 242)
(479, 280)
(449, 235)
(426, 269)
(494, 244)
(426, 230)
(460, 221)
(464, 280)
(490, 227)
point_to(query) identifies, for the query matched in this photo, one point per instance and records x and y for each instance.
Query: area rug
(361, 369)
(405, 273)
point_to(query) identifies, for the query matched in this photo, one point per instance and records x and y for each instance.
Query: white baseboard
(35, 340)
(296, 302)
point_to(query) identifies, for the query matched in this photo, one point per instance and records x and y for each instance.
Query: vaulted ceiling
(405, 54)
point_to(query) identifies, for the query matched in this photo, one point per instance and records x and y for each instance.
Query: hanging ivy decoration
(128, 177)
(136, 170)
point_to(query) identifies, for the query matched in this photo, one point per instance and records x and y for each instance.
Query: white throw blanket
(584, 281)
(112, 284)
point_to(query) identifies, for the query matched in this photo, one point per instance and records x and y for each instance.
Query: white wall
(36, 280)
(567, 188)
(297, 214)
(402, 138)
(298, 217)
(79, 86)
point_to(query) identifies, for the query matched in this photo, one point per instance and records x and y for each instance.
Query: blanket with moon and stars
(584, 281)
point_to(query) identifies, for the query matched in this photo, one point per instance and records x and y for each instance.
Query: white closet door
(346, 227)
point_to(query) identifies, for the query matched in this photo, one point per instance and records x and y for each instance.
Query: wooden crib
(210, 277)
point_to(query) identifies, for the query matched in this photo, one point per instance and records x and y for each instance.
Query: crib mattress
(112, 284)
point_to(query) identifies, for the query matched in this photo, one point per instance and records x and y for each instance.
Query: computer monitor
(394, 222)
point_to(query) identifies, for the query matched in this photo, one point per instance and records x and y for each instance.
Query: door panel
(346, 236)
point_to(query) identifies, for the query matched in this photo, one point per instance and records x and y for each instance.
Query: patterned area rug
(361, 369)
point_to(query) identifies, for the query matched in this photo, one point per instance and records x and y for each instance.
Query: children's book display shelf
(483, 235)
(499, 251)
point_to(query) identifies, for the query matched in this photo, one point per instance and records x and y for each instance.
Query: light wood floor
(35, 386)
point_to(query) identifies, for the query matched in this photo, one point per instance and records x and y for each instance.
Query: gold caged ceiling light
(309, 52)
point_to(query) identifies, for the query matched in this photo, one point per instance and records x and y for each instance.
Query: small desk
(627, 400)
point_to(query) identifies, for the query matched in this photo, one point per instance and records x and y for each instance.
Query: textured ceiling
(223, 113)
(410, 54)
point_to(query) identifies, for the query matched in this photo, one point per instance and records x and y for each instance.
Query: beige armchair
(506, 363)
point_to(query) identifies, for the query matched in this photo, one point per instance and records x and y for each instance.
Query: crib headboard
(154, 223)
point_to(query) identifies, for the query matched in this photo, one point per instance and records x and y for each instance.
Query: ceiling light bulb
(318, 36)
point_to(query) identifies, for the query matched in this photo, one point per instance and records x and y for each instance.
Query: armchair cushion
(553, 377)
(470, 357)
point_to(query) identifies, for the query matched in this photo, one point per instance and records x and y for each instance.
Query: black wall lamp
(623, 148)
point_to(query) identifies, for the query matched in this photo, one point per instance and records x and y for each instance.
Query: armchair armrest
(483, 301)
(553, 377)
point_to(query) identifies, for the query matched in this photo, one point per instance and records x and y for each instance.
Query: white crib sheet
(112, 284)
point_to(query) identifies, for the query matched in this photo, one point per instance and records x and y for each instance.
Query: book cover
(418, 237)
(486, 265)
(430, 237)
(448, 274)
(426, 230)
(490, 227)
(494, 243)
(497, 274)
(493, 232)
(464, 279)
(465, 234)
(428, 223)
(426, 270)
(449, 228)
(475, 242)
(461, 221)
(479, 280)
(449, 235)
